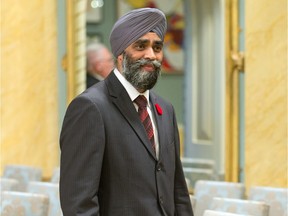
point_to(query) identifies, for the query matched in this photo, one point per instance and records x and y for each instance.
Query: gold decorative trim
(75, 60)
(232, 90)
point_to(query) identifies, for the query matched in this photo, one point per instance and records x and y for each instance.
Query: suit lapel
(159, 123)
(122, 101)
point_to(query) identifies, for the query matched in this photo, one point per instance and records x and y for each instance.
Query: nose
(150, 54)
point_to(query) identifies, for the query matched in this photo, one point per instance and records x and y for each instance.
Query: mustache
(141, 62)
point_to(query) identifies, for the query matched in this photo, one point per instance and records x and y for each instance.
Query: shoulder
(93, 95)
(159, 99)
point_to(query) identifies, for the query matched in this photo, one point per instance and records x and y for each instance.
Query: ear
(119, 62)
(120, 57)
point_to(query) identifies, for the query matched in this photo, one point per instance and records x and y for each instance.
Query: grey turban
(133, 25)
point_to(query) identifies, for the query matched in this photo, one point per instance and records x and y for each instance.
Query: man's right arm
(82, 147)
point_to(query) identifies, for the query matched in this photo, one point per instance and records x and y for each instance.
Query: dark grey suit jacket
(108, 167)
(90, 80)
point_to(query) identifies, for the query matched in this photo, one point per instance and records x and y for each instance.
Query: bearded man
(119, 140)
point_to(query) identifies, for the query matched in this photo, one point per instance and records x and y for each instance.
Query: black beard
(140, 79)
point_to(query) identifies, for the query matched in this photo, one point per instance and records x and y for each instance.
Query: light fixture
(97, 3)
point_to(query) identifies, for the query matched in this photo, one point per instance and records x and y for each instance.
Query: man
(99, 63)
(110, 164)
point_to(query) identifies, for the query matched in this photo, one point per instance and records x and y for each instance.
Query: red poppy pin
(159, 109)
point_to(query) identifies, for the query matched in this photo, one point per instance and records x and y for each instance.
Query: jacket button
(158, 168)
(161, 199)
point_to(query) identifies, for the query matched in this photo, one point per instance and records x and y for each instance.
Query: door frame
(226, 154)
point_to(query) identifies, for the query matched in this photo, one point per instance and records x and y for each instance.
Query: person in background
(120, 149)
(99, 63)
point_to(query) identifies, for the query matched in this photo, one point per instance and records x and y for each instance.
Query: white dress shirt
(133, 94)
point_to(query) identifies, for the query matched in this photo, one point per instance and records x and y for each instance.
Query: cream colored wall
(266, 93)
(29, 126)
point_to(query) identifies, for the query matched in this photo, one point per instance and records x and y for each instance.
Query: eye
(140, 46)
(158, 48)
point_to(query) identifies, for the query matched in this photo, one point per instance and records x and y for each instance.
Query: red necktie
(141, 101)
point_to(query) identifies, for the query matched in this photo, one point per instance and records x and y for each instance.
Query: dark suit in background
(90, 80)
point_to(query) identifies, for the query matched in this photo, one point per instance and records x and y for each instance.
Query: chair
(240, 206)
(8, 184)
(56, 175)
(195, 174)
(23, 174)
(220, 213)
(52, 191)
(193, 201)
(22, 203)
(277, 198)
(197, 163)
(206, 190)
(188, 183)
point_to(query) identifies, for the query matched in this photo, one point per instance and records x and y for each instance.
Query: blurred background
(225, 72)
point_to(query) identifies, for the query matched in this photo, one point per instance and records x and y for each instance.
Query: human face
(105, 64)
(141, 61)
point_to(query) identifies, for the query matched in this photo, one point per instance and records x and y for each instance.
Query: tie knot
(141, 101)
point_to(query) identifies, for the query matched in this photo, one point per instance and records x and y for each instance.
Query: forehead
(150, 36)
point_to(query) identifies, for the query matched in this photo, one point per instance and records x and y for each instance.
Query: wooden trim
(232, 98)
(70, 50)
(76, 44)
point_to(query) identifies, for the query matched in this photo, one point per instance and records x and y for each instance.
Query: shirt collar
(132, 92)
(97, 76)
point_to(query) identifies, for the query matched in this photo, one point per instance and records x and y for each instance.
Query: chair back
(205, 191)
(196, 174)
(240, 206)
(193, 201)
(277, 198)
(220, 213)
(198, 163)
(52, 191)
(24, 174)
(23, 203)
(56, 175)
(8, 184)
